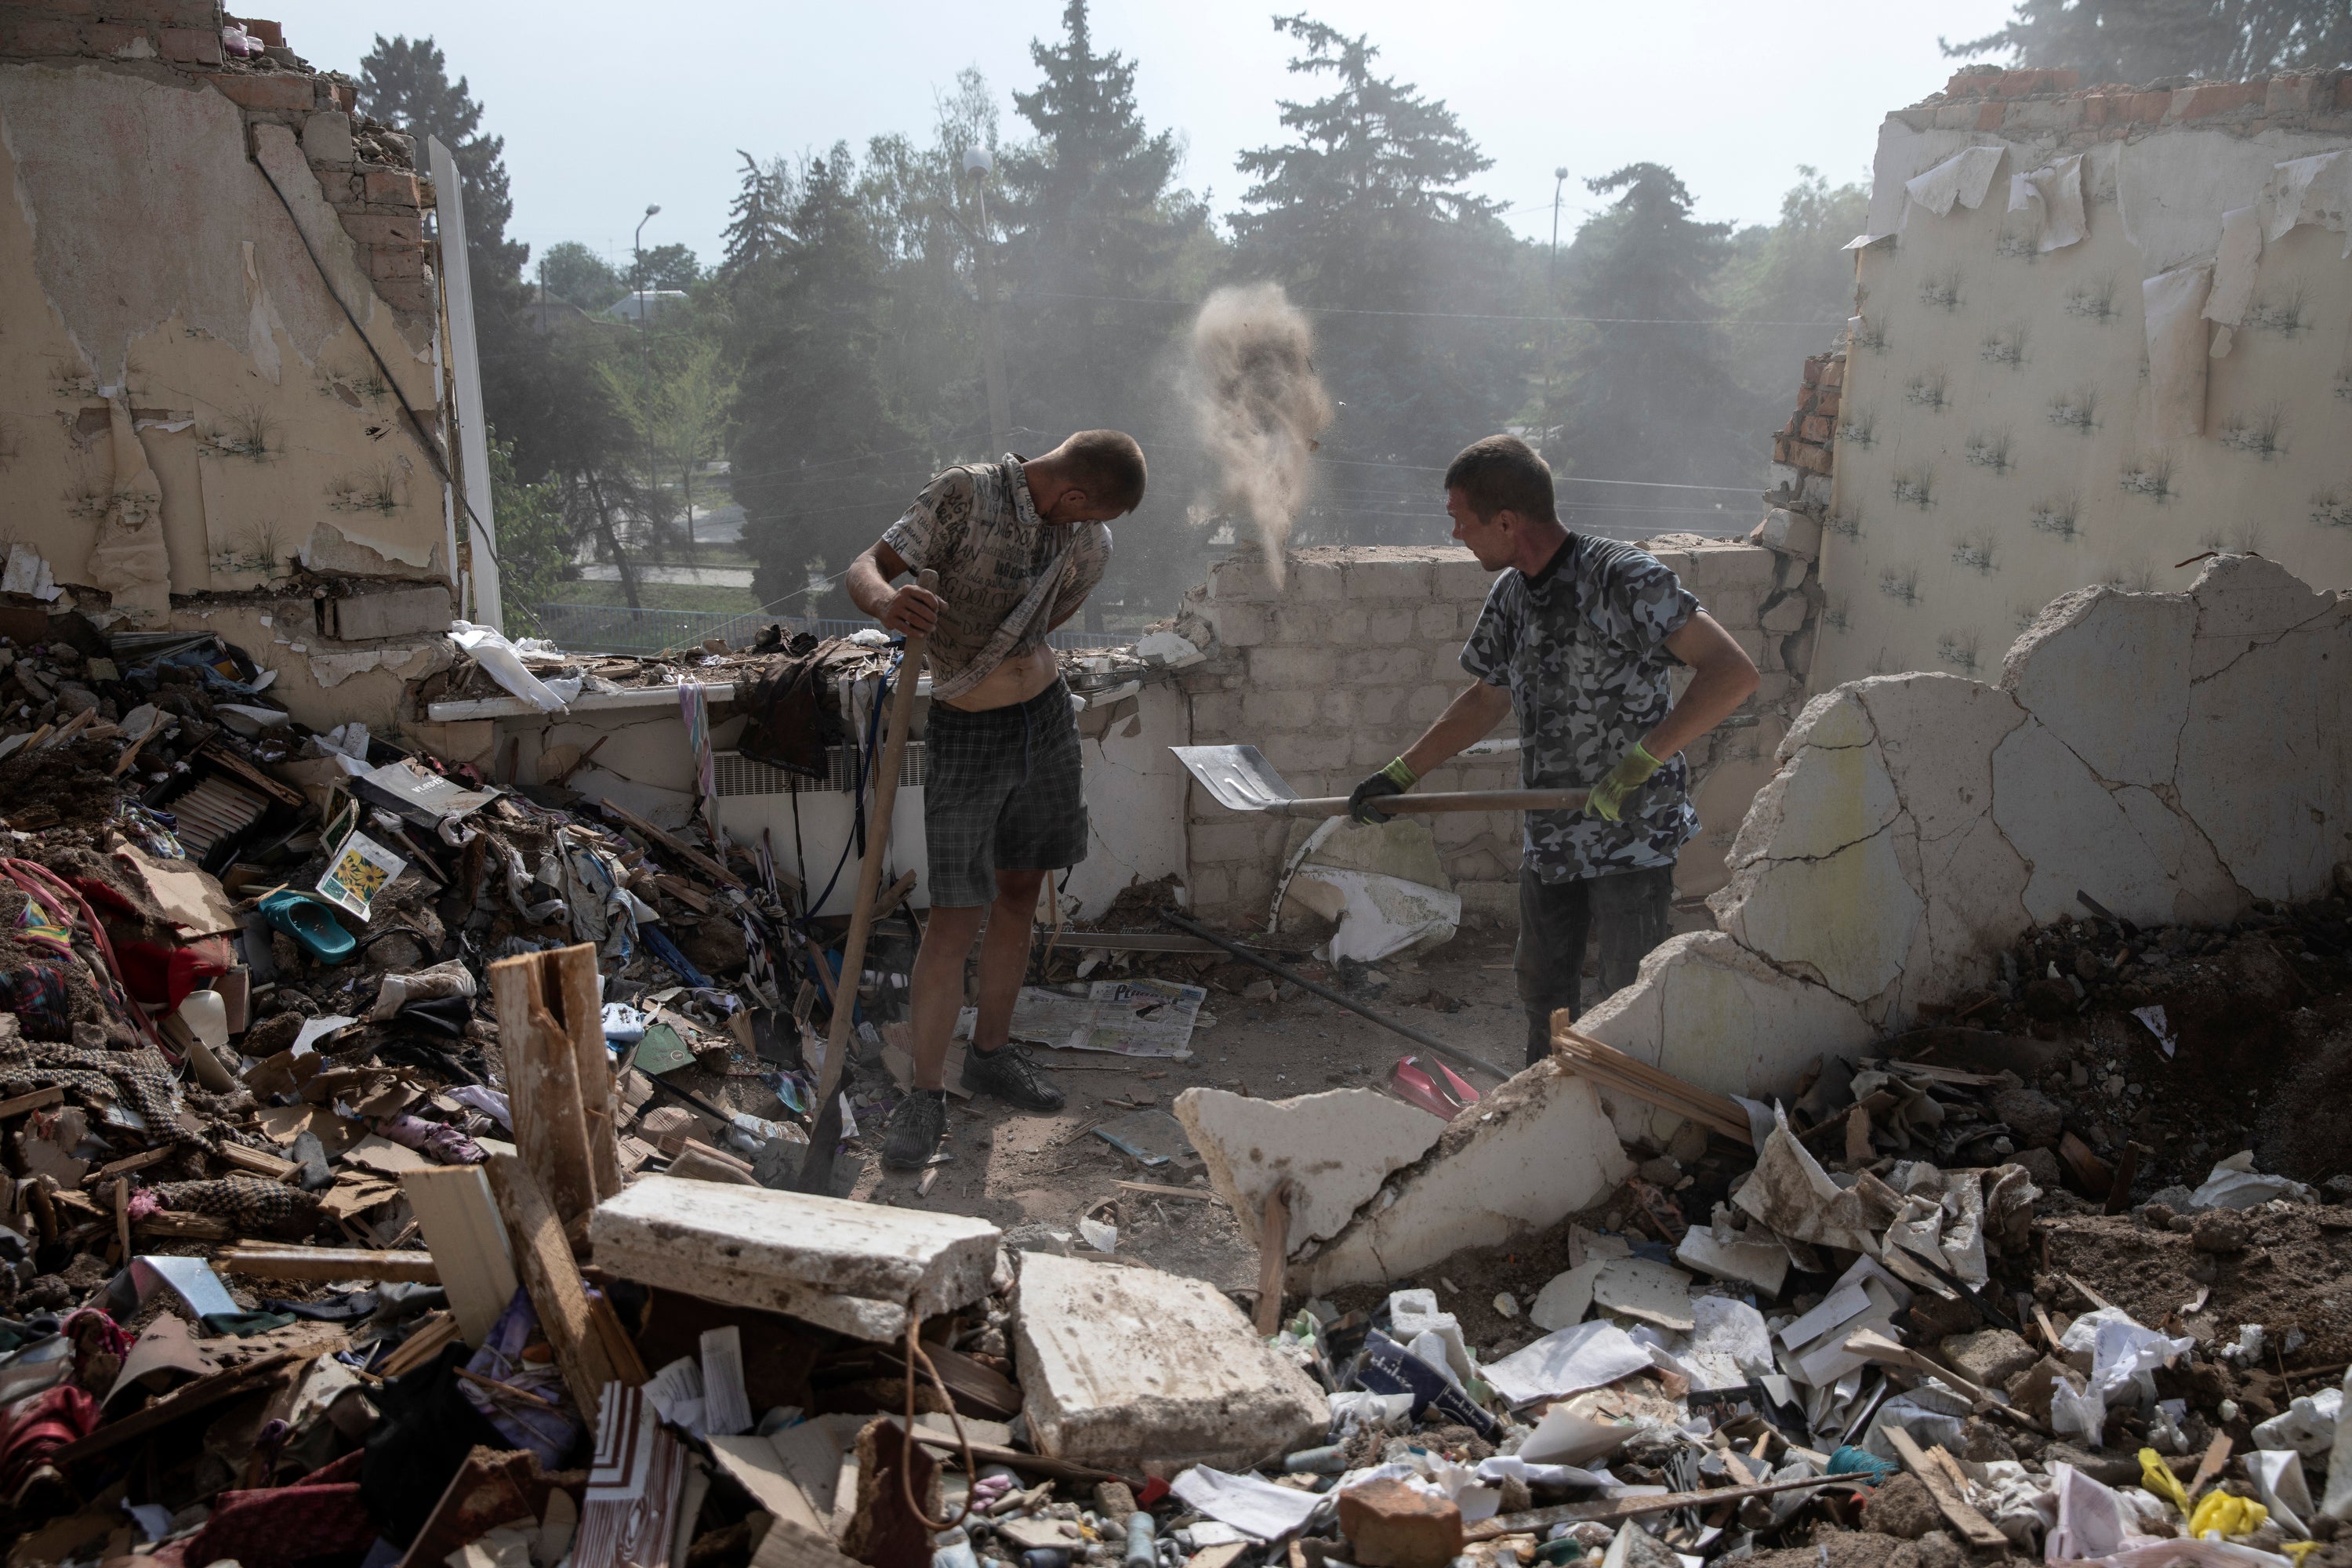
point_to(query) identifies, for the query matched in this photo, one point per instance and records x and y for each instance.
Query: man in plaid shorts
(1018, 544)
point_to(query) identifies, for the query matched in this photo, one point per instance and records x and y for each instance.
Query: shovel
(1243, 779)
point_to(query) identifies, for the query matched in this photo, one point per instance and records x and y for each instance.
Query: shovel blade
(1239, 777)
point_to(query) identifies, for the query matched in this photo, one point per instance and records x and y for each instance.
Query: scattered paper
(1259, 1509)
(1963, 178)
(1128, 1017)
(1565, 1437)
(726, 1407)
(1650, 1292)
(1729, 1343)
(2177, 357)
(314, 1031)
(1573, 1360)
(360, 870)
(2157, 1025)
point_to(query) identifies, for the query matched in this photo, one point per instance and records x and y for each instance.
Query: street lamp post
(1558, 179)
(645, 360)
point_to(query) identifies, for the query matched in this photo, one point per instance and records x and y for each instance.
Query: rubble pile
(402, 1166)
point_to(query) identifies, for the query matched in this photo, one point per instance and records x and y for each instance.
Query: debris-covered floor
(402, 1167)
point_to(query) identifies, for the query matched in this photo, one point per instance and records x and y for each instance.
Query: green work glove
(1395, 779)
(1631, 772)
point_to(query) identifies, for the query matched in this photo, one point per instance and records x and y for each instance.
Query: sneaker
(1007, 1073)
(916, 1125)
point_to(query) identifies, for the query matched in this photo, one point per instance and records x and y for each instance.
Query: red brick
(396, 261)
(415, 295)
(161, 12)
(373, 229)
(1813, 459)
(1828, 405)
(62, 8)
(1814, 369)
(1990, 115)
(2060, 80)
(269, 89)
(112, 37)
(2147, 108)
(1970, 81)
(1780, 446)
(1390, 1525)
(269, 33)
(2097, 107)
(1817, 429)
(1834, 373)
(2214, 97)
(342, 95)
(2289, 94)
(24, 34)
(192, 46)
(392, 187)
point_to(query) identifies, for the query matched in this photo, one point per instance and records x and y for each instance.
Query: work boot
(1007, 1073)
(917, 1124)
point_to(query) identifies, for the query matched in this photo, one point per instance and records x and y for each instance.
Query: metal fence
(616, 628)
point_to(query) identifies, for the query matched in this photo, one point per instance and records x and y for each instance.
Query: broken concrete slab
(1145, 1373)
(1538, 1149)
(1334, 1149)
(1645, 1291)
(857, 1268)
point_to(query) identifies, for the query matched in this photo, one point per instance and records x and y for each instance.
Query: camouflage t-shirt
(977, 527)
(1583, 647)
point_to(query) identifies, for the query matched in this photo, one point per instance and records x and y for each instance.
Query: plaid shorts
(1004, 793)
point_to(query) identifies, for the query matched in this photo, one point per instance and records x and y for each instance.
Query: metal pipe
(1248, 956)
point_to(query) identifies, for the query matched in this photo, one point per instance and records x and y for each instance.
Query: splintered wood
(559, 1076)
(1612, 1069)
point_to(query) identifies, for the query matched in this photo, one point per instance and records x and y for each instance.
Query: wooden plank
(436, 1333)
(580, 990)
(675, 845)
(1613, 1511)
(543, 1260)
(1198, 1194)
(684, 891)
(1974, 1526)
(182, 1226)
(40, 1100)
(201, 1394)
(460, 1222)
(2217, 1454)
(1273, 1257)
(330, 1263)
(550, 1125)
(255, 1163)
(1607, 1065)
(124, 1166)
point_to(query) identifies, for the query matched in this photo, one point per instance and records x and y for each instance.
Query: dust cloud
(1259, 405)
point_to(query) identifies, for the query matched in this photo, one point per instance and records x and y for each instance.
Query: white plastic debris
(2234, 1184)
(1412, 1313)
(504, 661)
(1099, 1234)
(2306, 1426)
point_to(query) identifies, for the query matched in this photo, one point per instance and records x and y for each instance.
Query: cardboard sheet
(189, 898)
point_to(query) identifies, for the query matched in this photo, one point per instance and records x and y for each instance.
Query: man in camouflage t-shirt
(1579, 639)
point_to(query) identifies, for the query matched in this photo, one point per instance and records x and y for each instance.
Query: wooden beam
(255, 1163)
(551, 1125)
(1613, 1511)
(201, 1394)
(1273, 1257)
(330, 1263)
(543, 1259)
(124, 1166)
(181, 1225)
(40, 1100)
(1950, 1498)
(675, 845)
(1612, 1069)
(460, 1222)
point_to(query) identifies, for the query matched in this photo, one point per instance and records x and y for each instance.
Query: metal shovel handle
(1455, 800)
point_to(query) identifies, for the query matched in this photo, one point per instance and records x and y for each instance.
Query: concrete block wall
(1338, 668)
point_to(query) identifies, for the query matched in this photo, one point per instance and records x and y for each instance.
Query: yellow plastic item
(2158, 1477)
(2229, 1515)
(2299, 1550)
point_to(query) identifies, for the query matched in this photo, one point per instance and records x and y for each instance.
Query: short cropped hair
(1503, 473)
(1108, 465)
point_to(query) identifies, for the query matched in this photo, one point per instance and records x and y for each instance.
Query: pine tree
(818, 454)
(406, 84)
(1096, 228)
(1648, 395)
(755, 226)
(2143, 41)
(1362, 215)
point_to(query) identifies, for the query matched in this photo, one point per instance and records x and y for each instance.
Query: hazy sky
(606, 107)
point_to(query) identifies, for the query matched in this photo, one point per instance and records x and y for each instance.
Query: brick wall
(367, 170)
(1336, 671)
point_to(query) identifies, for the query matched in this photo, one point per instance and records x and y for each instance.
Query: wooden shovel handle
(1458, 800)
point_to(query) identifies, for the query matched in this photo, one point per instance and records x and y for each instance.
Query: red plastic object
(1445, 1097)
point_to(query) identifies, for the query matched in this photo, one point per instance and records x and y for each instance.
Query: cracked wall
(2174, 756)
(187, 414)
(2098, 334)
